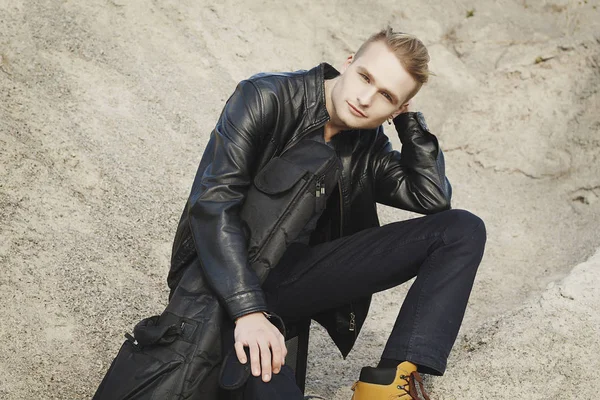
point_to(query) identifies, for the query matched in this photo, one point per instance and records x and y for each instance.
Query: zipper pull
(318, 192)
(352, 324)
(323, 188)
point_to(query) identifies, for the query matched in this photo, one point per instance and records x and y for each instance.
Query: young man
(343, 255)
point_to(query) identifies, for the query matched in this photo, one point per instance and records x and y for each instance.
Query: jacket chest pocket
(285, 194)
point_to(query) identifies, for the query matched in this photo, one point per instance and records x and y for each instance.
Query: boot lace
(410, 388)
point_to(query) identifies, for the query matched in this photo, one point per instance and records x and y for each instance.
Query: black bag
(160, 367)
(162, 359)
(284, 196)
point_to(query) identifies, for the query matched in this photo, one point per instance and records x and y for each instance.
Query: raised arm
(413, 179)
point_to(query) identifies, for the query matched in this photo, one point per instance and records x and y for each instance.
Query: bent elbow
(442, 201)
(445, 198)
(442, 204)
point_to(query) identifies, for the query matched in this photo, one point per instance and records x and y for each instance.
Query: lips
(356, 111)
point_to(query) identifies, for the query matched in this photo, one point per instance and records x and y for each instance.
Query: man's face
(370, 89)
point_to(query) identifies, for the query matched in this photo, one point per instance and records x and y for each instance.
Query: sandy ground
(106, 106)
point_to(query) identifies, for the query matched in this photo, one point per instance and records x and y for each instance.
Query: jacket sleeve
(216, 198)
(413, 179)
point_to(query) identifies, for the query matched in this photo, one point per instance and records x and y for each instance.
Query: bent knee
(462, 224)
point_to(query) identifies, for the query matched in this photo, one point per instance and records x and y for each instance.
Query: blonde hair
(409, 50)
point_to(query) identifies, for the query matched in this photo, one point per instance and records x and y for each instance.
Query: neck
(333, 126)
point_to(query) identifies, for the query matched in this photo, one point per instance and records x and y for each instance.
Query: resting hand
(266, 343)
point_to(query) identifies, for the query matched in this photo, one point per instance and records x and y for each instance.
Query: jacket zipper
(352, 324)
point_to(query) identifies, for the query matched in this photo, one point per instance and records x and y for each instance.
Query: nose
(365, 97)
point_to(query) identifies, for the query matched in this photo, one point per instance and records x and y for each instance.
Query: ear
(403, 108)
(348, 62)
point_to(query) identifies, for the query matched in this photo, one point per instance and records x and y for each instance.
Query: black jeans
(442, 250)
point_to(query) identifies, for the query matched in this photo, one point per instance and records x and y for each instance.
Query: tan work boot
(387, 383)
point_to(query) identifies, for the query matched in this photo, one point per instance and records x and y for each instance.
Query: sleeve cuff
(408, 122)
(245, 303)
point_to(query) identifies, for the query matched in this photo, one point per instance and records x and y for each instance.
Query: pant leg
(443, 250)
(430, 317)
(282, 386)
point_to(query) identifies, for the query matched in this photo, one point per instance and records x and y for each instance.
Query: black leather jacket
(265, 115)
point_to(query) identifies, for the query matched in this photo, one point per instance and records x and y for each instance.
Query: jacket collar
(314, 89)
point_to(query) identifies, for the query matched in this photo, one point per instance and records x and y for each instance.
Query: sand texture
(105, 109)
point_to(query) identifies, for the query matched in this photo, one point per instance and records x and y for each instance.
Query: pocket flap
(278, 176)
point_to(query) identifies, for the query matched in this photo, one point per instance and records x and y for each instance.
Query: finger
(276, 354)
(239, 351)
(283, 349)
(265, 361)
(255, 359)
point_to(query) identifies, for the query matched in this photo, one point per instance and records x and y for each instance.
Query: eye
(365, 78)
(387, 96)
